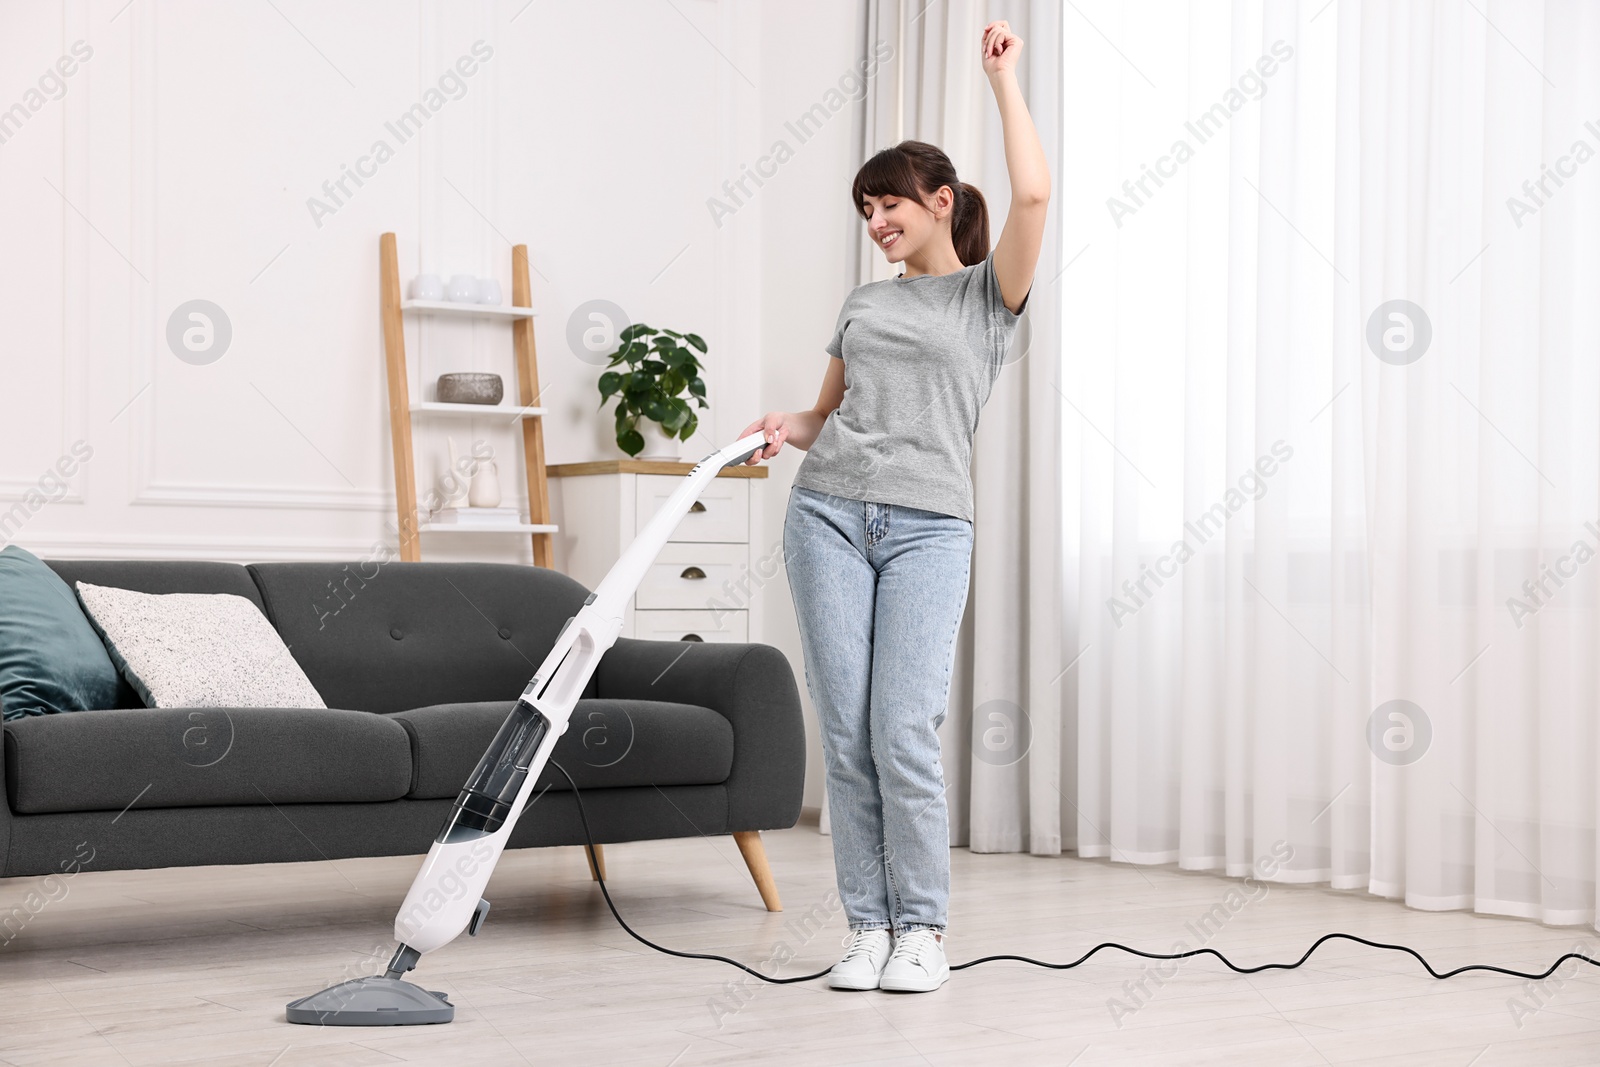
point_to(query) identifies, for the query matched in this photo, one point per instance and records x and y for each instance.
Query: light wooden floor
(195, 966)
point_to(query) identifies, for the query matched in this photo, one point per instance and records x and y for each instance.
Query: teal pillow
(51, 659)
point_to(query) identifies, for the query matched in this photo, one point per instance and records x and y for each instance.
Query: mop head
(374, 1001)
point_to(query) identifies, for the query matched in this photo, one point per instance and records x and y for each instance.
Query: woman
(878, 534)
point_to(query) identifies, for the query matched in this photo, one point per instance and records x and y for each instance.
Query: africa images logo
(451, 85)
(1252, 485)
(1249, 86)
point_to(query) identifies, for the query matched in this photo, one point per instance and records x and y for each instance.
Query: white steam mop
(447, 896)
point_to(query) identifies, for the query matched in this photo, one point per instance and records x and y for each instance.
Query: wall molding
(145, 318)
(74, 177)
(203, 495)
(231, 549)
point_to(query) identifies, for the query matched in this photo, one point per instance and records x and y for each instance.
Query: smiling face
(902, 227)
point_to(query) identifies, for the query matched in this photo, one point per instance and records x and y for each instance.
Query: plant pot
(658, 444)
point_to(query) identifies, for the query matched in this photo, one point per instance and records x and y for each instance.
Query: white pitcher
(485, 491)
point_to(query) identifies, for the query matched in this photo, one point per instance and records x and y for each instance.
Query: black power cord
(1509, 972)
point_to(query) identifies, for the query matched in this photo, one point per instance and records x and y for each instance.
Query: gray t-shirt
(920, 357)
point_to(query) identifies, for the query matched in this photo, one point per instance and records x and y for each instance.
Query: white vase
(658, 444)
(485, 492)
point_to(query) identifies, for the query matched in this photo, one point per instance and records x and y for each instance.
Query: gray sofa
(419, 663)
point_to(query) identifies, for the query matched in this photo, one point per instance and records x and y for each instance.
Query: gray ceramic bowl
(470, 388)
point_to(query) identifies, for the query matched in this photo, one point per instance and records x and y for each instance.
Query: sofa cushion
(197, 650)
(50, 658)
(157, 576)
(607, 743)
(185, 757)
(406, 635)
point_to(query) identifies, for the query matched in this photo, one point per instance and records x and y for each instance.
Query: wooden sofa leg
(600, 854)
(755, 857)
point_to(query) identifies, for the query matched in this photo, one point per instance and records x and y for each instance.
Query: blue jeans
(879, 590)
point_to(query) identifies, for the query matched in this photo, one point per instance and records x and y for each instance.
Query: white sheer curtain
(1335, 556)
(1004, 750)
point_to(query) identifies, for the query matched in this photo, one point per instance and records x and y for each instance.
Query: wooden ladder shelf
(526, 411)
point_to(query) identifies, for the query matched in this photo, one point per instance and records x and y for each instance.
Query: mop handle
(566, 669)
(561, 677)
(620, 583)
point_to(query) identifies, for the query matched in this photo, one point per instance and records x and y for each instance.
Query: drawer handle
(691, 637)
(692, 572)
(697, 506)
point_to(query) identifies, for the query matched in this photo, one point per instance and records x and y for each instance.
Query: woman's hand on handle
(774, 425)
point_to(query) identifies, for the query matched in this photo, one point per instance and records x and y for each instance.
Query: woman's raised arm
(1017, 252)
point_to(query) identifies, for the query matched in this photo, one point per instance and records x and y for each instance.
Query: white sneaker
(863, 961)
(917, 964)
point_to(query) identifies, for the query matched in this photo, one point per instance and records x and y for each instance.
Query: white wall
(179, 163)
(176, 163)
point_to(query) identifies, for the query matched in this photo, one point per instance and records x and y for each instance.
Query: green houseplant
(662, 366)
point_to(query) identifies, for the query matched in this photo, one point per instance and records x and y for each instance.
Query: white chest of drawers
(703, 582)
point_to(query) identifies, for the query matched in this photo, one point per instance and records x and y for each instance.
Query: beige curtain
(1006, 737)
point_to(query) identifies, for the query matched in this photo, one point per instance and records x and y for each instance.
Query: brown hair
(915, 170)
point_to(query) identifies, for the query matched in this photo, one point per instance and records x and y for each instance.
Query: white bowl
(427, 287)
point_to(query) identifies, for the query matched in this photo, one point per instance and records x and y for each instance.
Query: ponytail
(969, 225)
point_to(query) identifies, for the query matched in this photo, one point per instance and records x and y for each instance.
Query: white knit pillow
(197, 650)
